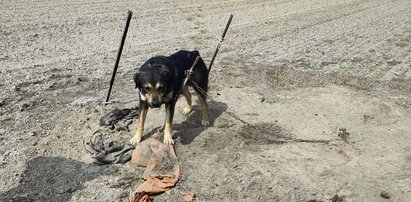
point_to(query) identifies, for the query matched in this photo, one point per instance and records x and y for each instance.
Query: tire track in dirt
(321, 24)
(307, 37)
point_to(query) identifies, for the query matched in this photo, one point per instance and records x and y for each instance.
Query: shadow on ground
(191, 128)
(53, 179)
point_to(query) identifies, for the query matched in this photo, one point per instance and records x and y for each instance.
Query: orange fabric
(162, 171)
(142, 197)
(152, 150)
(159, 183)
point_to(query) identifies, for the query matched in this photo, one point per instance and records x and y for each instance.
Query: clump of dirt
(264, 133)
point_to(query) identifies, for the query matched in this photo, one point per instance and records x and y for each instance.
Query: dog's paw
(168, 140)
(135, 140)
(187, 110)
(205, 123)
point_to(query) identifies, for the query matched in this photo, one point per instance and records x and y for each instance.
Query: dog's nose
(155, 104)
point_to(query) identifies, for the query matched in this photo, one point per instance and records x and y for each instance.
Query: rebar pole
(221, 40)
(191, 70)
(123, 39)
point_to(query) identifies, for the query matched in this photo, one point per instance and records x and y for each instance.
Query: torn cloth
(162, 172)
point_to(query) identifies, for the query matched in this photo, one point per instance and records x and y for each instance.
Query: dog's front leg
(140, 123)
(168, 128)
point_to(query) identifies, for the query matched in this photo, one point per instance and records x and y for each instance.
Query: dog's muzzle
(155, 104)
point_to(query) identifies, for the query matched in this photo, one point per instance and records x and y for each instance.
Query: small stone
(393, 62)
(385, 195)
(16, 88)
(343, 134)
(71, 190)
(24, 106)
(204, 144)
(337, 198)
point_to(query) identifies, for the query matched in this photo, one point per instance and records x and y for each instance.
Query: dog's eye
(161, 88)
(146, 88)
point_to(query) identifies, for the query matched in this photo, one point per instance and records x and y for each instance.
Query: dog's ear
(136, 79)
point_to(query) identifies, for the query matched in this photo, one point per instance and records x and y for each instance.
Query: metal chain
(232, 114)
(188, 74)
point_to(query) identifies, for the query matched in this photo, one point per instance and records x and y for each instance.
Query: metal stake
(221, 40)
(123, 39)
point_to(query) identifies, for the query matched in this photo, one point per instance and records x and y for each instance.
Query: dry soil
(297, 71)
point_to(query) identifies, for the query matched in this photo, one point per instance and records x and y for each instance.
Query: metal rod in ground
(222, 39)
(123, 39)
(191, 70)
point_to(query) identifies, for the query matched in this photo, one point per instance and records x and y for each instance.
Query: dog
(160, 81)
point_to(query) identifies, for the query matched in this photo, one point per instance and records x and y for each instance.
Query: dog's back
(183, 60)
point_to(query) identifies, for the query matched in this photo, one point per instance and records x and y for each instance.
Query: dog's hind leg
(187, 110)
(204, 106)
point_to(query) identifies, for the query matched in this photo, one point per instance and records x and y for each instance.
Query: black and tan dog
(160, 81)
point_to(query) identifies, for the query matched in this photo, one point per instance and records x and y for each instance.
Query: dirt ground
(298, 71)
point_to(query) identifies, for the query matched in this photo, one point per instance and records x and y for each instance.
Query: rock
(337, 198)
(262, 99)
(385, 195)
(204, 144)
(24, 107)
(16, 88)
(343, 134)
(2, 132)
(393, 62)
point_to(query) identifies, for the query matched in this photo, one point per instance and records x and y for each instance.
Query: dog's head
(154, 81)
